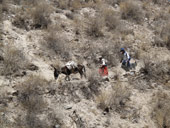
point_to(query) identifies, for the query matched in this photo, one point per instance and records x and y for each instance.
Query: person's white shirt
(104, 62)
(126, 56)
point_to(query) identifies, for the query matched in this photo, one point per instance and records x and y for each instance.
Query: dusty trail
(22, 43)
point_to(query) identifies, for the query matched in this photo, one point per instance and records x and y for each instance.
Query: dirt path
(22, 43)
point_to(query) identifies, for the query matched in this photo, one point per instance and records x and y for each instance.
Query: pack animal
(66, 71)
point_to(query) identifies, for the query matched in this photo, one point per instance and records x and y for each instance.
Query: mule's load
(71, 65)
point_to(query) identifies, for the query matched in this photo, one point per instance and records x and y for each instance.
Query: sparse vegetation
(161, 111)
(21, 20)
(94, 81)
(34, 17)
(40, 15)
(111, 19)
(114, 98)
(57, 45)
(30, 91)
(32, 101)
(131, 10)
(94, 28)
(38, 35)
(160, 2)
(13, 62)
(111, 52)
(113, 2)
(156, 71)
(1, 19)
(165, 35)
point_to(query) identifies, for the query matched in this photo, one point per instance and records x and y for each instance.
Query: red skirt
(103, 71)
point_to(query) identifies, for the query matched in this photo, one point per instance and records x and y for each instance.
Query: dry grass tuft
(5, 6)
(111, 19)
(131, 10)
(13, 62)
(94, 81)
(157, 71)
(36, 16)
(111, 53)
(161, 111)
(94, 28)
(1, 19)
(165, 35)
(57, 45)
(76, 4)
(40, 15)
(159, 2)
(63, 4)
(31, 98)
(114, 98)
(113, 2)
(31, 91)
(21, 20)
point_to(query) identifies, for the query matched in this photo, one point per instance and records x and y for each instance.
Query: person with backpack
(125, 58)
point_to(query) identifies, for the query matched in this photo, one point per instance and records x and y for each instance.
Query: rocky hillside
(35, 34)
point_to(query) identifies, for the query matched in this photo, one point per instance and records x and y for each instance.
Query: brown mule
(64, 70)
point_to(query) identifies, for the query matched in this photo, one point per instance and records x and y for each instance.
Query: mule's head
(56, 72)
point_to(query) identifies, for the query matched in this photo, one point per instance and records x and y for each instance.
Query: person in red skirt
(103, 71)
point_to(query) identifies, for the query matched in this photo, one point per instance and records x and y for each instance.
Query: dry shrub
(131, 10)
(56, 118)
(13, 62)
(31, 91)
(31, 2)
(104, 99)
(114, 98)
(158, 41)
(157, 71)
(1, 25)
(161, 111)
(41, 15)
(5, 6)
(36, 16)
(90, 54)
(94, 80)
(57, 45)
(5, 99)
(63, 4)
(113, 2)
(108, 50)
(76, 4)
(94, 28)
(111, 53)
(70, 15)
(21, 20)
(160, 2)
(31, 98)
(1, 15)
(17, 2)
(165, 35)
(30, 120)
(111, 19)
(5, 123)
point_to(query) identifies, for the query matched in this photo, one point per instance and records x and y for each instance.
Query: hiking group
(125, 62)
(72, 67)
